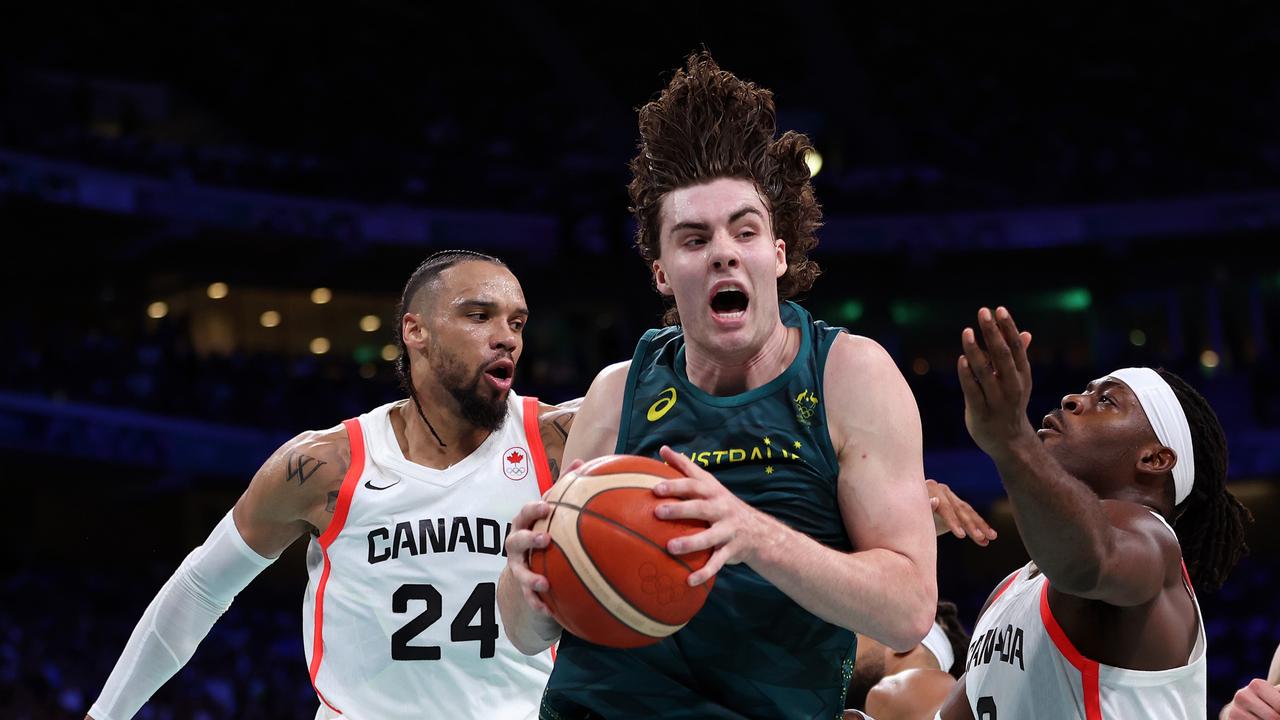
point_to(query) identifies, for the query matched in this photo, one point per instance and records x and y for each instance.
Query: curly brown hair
(709, 124)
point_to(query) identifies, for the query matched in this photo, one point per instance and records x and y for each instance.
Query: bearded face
(480, 402)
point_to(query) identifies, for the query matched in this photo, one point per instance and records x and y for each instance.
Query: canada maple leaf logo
(515, 457)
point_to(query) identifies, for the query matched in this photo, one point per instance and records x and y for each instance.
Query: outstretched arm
(1114, 552)
(287, 496)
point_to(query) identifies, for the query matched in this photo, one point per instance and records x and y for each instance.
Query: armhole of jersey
(628, 392)
(533, 435)
(355, 438)
(1088, 668)
(824, 344)
(1004, 586)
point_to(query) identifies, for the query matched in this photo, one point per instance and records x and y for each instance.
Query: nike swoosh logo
(369, 484)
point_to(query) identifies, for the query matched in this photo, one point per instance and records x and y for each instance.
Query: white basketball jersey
(400, 618)
(1022, 665)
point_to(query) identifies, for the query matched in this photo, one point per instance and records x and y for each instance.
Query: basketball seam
(609, 582)
(586, 511)
(607, 609)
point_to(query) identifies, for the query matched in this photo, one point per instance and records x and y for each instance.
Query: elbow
(526, 648)
(520, 636)
(916, 620)
(913, 630)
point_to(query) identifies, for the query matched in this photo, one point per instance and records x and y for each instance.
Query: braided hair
(426, 274)
(1211, 522)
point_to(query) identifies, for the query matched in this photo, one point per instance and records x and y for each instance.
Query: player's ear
(660, 279)
(415, 333)
(1155, 459)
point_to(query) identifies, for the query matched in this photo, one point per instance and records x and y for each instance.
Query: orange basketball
(611, 579)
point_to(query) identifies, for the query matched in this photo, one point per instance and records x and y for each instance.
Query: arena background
(1110, 172)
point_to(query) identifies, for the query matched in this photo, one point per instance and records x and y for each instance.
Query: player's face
(721, 262)
(1096, 430)
(476, 328)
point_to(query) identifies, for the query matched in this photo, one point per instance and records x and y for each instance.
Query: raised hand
(996, 382)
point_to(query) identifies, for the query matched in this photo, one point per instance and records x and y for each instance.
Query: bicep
(884, 504)
(882, 493)
(595, 428)
(1273, 676)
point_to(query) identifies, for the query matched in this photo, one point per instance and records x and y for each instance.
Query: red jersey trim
(1004, 586)
(1088, 668)
(533, 433)
(1186, 578)
(355, 437)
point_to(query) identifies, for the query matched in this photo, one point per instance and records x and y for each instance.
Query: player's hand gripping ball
(611, 579)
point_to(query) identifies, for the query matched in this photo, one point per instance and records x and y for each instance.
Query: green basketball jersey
(751, 651)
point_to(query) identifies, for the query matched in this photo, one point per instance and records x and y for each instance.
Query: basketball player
(1104, 621)
(807, 439)
(406, 507)
(893, 685)
(1259, 700)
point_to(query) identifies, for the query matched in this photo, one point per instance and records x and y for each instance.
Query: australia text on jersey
(767, 449)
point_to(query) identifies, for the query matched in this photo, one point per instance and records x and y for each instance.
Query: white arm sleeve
(178, 618)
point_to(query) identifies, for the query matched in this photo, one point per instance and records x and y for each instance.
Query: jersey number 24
(481, 602)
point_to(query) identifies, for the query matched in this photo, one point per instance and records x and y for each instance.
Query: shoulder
(549, 413)
(293, 488)
(558, 418)
(860, 354)
(864, 389)
(1140, 521)
(610, 382)
(326, 449)
(307, 464)
(554, 424)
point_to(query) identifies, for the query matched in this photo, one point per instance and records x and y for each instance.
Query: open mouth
(500, 373)
(729, 303)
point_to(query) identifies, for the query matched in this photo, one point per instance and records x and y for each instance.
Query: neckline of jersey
(387, 451)
(792, 315)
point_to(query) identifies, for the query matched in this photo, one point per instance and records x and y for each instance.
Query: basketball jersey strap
(533, 433)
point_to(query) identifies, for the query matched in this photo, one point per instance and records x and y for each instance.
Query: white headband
(1168, 420)
(937, 643)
